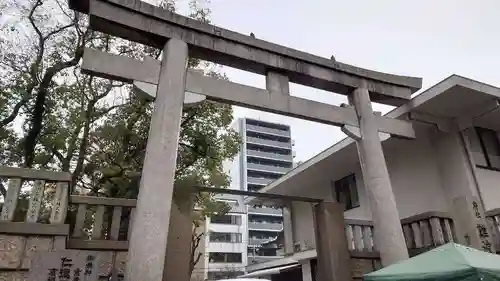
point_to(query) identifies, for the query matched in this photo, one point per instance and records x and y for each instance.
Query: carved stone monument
(64, 266)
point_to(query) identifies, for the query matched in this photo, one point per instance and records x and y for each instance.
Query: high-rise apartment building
(248, 234)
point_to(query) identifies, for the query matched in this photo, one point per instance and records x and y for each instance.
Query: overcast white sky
(426, 38)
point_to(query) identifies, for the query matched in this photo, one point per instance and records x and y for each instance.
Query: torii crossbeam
(179, 37)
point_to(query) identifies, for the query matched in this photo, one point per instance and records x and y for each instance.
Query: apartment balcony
(234, 266)
(274, 227)
(261, 259)
(272, 156)
(267, 168)
(269, 131)
(236, 208)
(285, 145)
(265, 211)
(257, 241)
(261, 181)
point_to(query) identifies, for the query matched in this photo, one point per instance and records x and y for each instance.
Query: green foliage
(53, 117)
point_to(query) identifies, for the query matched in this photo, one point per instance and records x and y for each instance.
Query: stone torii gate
(181, 37)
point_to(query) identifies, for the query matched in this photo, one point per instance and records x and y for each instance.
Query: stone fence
(493, 222)
(422, 232)
(48, 218)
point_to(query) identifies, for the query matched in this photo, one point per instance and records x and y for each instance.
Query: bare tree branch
(41, 42)
(58, 155)
(15, 110)
(195, 243)
(54, 32)
(3, 190)
(190, 117)
(62, 9)
(83, 145)
(31, 19)
(34, 68)
(39, 107)
(107, 110)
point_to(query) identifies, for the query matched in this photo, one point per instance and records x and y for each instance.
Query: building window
(267, 162)
(253, 218)
(262, 175)
(268, 125)
(486, 150)
(346, 192)
(225, 237)
(254, 187)
(225, 257)
(262, 252)
(226, 219)
(276, 150)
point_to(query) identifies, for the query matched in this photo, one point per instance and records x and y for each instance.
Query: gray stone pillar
(277, 83)
(389, 238)
(287, 229)
(146, 256)
(334, 258)
(306, 271)
(178, 257)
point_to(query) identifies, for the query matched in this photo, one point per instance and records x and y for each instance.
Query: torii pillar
(388, 233)
(147, 246)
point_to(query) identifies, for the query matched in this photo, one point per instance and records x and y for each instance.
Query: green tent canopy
(450, 262)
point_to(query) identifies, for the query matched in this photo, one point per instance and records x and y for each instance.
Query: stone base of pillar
(306, 271)
(334, 258)
(178, 253)
(470, 224)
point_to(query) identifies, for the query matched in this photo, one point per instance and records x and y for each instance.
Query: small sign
(481, 230)
(360, 267)
(64, 266)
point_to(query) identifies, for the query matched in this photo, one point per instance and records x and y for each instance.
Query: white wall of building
(225, 228)
(414, 176)
(238, 180)
(489, 184)
(226, 266)
(303, 224)
(227, 247)
(488, 181)
(426, 175)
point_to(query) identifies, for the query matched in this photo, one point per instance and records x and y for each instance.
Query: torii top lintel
(147, 24)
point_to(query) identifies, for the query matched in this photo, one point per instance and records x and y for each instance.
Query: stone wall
(361, 266)
(16, 252)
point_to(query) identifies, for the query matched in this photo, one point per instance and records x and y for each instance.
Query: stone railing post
(20, 239)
